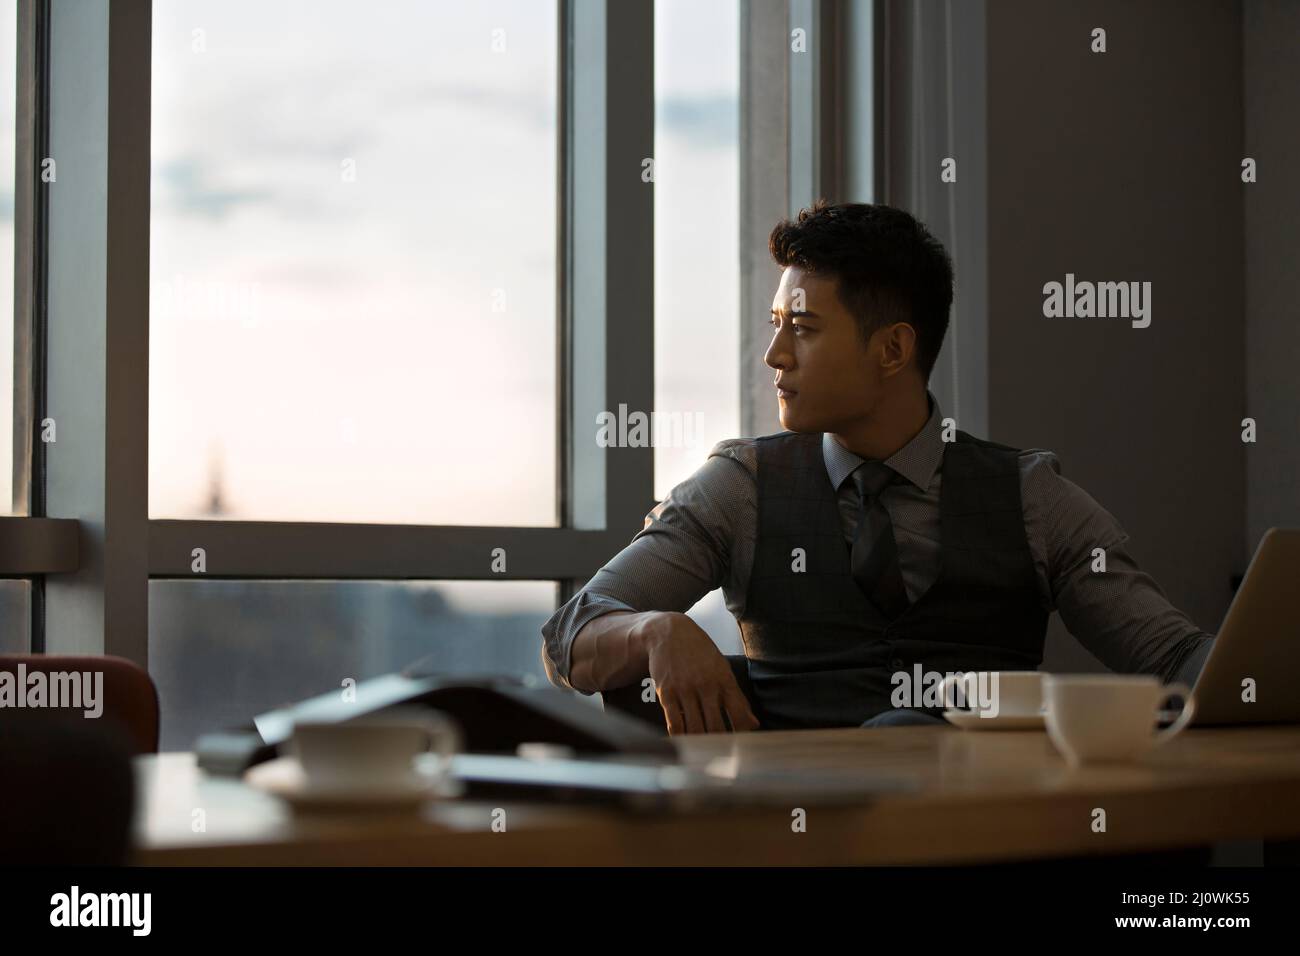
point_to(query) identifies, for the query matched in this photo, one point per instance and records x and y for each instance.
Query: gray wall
(1118, 166)
(1270, 29)
(1124, 166)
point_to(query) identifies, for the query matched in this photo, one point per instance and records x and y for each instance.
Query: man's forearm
(613, 650)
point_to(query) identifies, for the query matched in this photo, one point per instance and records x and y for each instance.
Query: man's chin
(794, 423)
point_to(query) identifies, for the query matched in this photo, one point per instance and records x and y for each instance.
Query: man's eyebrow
(806, 315)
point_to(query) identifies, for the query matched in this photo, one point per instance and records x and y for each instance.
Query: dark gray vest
(820, 655)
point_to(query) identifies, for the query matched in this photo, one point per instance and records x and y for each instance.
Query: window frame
(86, 95)
(32, 545)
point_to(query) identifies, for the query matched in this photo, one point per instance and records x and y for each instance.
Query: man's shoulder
(1053, 505)
(746, 450)
(724, 481)
(1038, 459)
(741, 450)
(1044, 490)
(1030, 460)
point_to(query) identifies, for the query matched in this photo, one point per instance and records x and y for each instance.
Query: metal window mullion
(274, 549)
(833, 19)
(765, 64)
(31, 90)
(629, 122)
(98, 307)
(563, 270)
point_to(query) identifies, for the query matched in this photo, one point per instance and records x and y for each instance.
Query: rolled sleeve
(683, 551)
(559, 631)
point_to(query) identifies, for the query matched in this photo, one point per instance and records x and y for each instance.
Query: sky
(376, 341)
(326, 331)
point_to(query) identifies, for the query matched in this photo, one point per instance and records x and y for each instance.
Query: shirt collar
(916, 461)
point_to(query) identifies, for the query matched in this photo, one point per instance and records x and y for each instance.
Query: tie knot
(871, 477)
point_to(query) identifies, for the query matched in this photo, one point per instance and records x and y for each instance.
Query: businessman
(867, 538)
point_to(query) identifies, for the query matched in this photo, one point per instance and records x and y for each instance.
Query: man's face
(819, 356)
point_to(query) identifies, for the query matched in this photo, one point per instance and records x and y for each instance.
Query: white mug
(377, 750)
(994, 693)
(1106, 718)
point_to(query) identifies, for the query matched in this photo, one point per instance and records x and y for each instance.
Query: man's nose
(778, 354)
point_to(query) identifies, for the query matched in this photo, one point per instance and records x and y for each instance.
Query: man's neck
(895, 421)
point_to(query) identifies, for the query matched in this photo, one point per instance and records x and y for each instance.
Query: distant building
(216, 501)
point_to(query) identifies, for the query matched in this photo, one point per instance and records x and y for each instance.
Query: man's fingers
(694, 718)
(672, 713)
(712, 708)
(682, 713)
(739, 712)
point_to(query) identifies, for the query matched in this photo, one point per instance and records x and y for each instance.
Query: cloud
(705, 120)
(188, 188)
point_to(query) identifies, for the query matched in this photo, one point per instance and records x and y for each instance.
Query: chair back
(129, 696)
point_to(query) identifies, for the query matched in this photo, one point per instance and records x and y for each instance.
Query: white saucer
(970, 720)
(284, 778)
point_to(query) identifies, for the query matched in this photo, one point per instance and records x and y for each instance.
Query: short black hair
(888, 266)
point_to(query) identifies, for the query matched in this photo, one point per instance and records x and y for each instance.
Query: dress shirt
(702, 536)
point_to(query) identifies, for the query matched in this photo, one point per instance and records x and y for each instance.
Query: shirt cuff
(558, 633)
(1190, 669)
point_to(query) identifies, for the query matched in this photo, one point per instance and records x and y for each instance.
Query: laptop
(1259, 642)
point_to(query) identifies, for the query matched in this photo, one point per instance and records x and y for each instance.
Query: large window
(353, 318)
(398, 265)
(353, 261)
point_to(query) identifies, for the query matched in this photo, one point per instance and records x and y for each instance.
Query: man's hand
(694, 682)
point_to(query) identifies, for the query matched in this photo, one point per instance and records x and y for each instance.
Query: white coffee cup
(375, 751)
(994, 693)
(1110, 718)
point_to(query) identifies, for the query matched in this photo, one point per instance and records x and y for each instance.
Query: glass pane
(353, 261)
(8, 132)
(223, 651)
(15, 617)
(710, 613)
(697, 233)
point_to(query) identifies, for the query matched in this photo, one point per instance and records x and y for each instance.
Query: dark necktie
(875, 554)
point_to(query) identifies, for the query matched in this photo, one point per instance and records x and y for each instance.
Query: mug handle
(441, 735)
(955, 680)
(1189, 708)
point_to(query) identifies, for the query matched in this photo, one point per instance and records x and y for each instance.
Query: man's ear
(899, 344)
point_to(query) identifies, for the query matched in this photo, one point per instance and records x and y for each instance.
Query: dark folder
(495, 714)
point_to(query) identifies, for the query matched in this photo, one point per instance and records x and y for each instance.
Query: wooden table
(972, 797)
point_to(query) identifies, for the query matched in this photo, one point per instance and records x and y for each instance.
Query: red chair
(129, 695)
